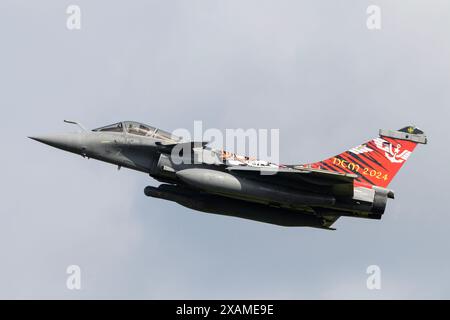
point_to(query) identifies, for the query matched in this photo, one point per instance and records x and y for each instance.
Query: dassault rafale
(351, 184)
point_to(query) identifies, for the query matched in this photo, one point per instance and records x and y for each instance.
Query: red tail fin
(376, 162)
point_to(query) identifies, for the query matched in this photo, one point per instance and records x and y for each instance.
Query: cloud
(309, 68)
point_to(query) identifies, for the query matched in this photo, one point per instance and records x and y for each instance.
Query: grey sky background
(310, 68)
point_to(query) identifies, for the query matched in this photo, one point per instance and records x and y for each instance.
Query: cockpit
(139, 129)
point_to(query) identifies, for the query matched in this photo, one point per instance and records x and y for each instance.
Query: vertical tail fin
(377, 161)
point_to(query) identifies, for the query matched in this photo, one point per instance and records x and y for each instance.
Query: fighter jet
(351, 184)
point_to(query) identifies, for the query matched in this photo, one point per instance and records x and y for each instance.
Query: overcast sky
(309, 68)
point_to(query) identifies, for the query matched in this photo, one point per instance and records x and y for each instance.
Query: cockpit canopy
(117, 127)
(140, 129)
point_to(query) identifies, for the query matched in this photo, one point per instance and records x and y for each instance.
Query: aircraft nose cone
(43, 139)
(68, 142)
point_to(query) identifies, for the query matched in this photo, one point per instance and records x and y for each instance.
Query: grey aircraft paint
(291, 196)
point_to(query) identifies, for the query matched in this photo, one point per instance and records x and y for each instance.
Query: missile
(216, 204)
(226, 184)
